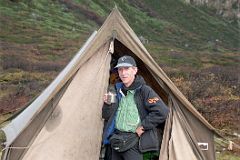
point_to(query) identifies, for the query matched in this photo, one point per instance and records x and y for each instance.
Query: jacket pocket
(149, 141)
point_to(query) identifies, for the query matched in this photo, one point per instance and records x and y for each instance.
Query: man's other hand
(140, 131)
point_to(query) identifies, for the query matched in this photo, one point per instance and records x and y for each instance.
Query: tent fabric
(182, 133)
(25, 138)
(76, 121)
(68, 124)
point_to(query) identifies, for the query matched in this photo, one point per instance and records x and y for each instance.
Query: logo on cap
(123, 58)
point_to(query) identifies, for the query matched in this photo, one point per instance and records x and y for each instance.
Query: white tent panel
(75, 126)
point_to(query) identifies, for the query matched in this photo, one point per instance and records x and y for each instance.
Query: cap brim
(123, 65)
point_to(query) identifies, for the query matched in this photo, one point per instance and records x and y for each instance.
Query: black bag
(123, 141)
(149, 141)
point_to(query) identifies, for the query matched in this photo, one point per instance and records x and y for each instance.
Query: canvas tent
(64, 122)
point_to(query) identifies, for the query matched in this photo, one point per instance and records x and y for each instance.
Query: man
(138, 110)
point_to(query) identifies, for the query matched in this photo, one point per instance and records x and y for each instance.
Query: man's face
(127, 75)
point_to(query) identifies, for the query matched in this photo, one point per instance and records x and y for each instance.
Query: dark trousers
(131, 154)
(108, 153)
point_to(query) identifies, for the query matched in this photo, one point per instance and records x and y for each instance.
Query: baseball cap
(126, 61)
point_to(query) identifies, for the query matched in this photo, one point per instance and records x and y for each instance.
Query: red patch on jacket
(153, 100)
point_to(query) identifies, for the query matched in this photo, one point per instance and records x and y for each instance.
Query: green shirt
(127, 118)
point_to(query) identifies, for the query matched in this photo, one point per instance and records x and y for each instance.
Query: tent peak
(115, 6)
(115, 9)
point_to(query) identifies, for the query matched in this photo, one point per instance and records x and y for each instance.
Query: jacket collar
(138, 82)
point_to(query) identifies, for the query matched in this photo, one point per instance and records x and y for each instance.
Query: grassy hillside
(197, 49)
(37, 39)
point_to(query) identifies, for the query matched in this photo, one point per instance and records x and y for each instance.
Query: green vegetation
(196, 27)
(222, 153)
(227, 156)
